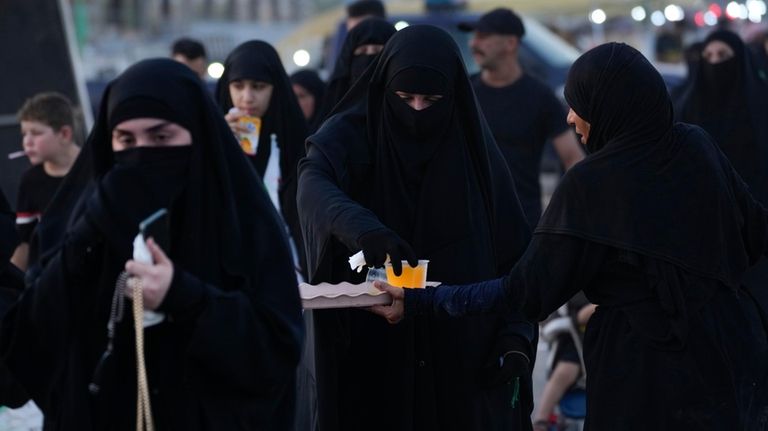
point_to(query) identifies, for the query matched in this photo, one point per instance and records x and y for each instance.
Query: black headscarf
(440, 163)
(349, 67)
(648, 186)
(730, 101)
(310, 81)
(258, 61)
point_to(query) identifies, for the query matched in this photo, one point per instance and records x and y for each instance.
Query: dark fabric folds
(729, 100)
(638, 177)
(349, 67)
(449, 194)
(225, 355)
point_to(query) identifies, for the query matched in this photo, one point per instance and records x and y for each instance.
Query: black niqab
(350, 67)
(310, 81)
(633, 191)
(729, 100)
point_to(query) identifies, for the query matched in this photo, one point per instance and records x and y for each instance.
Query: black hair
(189, 48)
(366, 8)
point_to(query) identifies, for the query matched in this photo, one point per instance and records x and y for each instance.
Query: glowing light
(638, 13)
(657, 18)
(674, 13)
(710, 18)
(301, 58)
(598, 16)
(215, 70)
(756, 7)
(698, 19)
(733, 10)
(401, 25)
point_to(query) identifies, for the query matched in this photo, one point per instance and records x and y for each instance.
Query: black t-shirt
(35, 192)
(522, 117)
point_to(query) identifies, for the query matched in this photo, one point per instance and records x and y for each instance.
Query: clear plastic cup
(412, 278)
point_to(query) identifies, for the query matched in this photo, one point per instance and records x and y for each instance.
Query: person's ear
(513, 42)
(66, 133)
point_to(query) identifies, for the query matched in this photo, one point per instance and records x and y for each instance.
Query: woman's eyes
(161, 136)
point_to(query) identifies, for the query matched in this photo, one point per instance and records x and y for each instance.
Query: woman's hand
(155, 278)
(233, 117)
(395, 312)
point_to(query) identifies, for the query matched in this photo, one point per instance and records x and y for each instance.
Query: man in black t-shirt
(522, 112)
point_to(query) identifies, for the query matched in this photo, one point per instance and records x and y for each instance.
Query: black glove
(509, 359)
(377, 244)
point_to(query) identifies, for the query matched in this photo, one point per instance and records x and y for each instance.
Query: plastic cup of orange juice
(414, 278)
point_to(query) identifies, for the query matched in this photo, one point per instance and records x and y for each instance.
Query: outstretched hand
(394, 312)
(155, 277)
(377, 244)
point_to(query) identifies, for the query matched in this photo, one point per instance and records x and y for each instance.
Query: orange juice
(249, 142)
(415, 278)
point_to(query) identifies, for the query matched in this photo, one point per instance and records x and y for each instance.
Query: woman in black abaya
(729, 99)
(309, 89)
(224, 356)
(359, 51)
(386, 178)
(255, 84)
(657, 229)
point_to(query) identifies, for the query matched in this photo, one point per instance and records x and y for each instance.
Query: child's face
(251, 97)
(41, 143)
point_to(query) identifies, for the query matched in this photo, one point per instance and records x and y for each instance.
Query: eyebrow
(152, 129)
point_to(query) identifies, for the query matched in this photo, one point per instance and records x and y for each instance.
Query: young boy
(47, 129)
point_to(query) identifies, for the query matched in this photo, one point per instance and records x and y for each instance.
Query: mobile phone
(156, 226)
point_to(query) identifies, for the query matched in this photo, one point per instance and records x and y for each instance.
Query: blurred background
(77, 46)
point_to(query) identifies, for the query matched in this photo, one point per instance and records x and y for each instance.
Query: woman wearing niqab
(385, 178)
(729, 100)
(224, 356)
(657, 229)
(351, 63)
(257, 61)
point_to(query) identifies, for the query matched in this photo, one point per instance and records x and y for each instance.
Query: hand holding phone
(156, 227)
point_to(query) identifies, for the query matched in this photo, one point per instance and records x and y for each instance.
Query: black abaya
(657, 229)
(448, 193)
(225, 356)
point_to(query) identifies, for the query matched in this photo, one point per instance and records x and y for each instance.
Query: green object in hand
(516, 392)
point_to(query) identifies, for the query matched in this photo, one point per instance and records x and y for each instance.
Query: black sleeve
(552, 270)
(325, 209)
(38, 329)
(247, 338)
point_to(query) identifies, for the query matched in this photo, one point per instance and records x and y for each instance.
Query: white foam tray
(344, 295)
